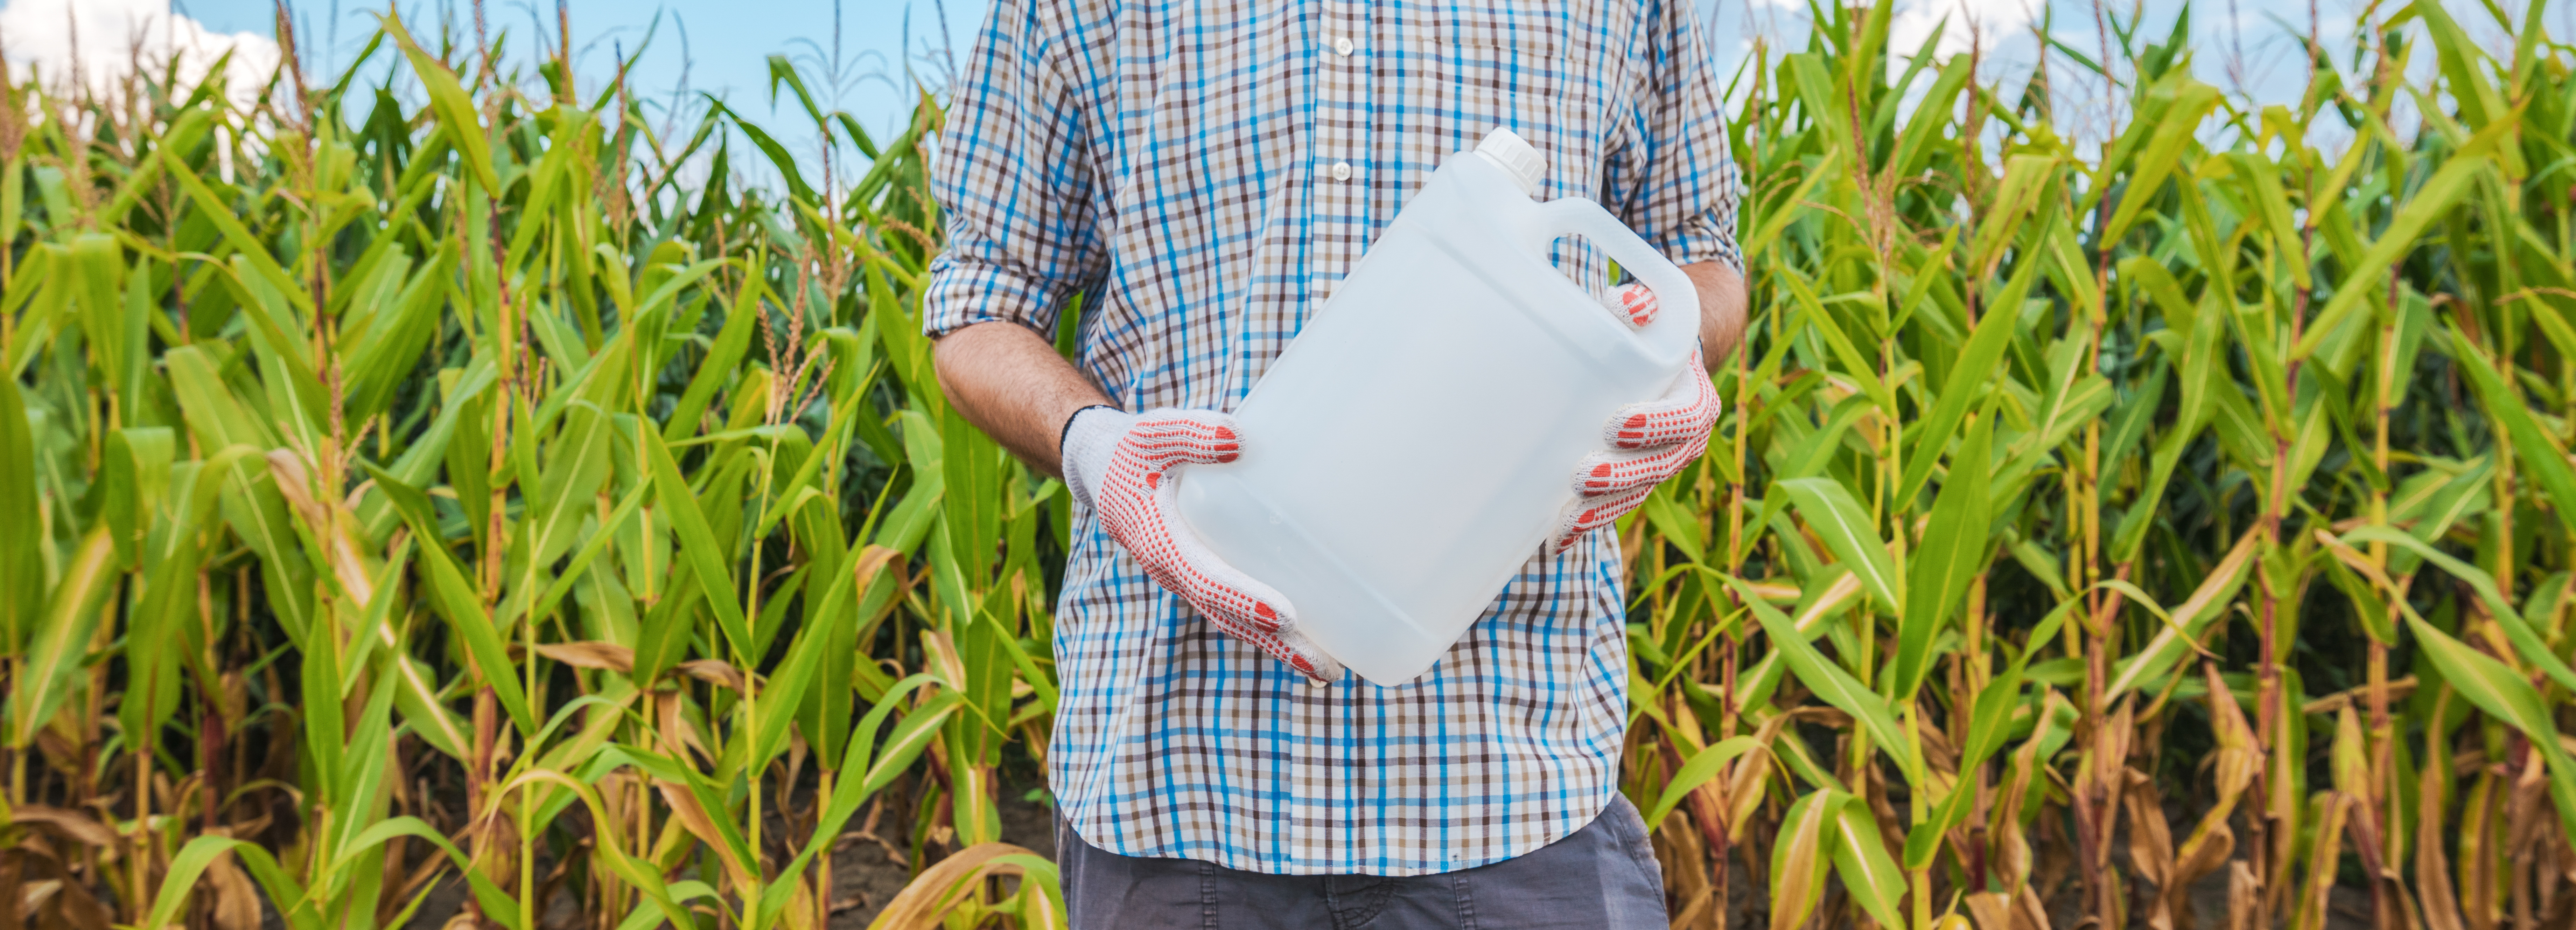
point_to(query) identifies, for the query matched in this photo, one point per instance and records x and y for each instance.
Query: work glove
(1121, 465)
(1647, 442)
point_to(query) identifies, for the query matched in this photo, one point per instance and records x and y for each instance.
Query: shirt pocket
(1522, 65)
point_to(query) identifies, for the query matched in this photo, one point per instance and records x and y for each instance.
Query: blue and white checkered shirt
(1204, 172)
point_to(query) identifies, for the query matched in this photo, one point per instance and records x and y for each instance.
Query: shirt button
(1341, 171)
(1342, 46)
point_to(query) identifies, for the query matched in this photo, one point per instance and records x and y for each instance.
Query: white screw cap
(1515, 156)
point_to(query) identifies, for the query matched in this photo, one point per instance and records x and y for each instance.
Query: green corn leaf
(708, 560)
(1703, 765)
(1778, 220)
(167, 624)
(1677, 524)
(590, 552)
(2028, 180)
(247, 247)
(1846, 528)
(201, 853)
(2481, 103)
(1800, 856)
(384, 355)
(136, 474)
(825, 716)
(1915, 145)
(2532, 445)
(364, 773)
(731, 342)
(779, 157)
(116, 341)
(465, 615)
(1923, 840)
(2526, 641)
(1869, 874)
(22, 557)
(448, 99)
(2504, 695)
(58, 647)
(2192, 102)
(2202, 376)
(910, 737)
(1831, 683)
(213, 412)
(13, 197)
(2188, 620)
(1951, 557)
(1990, 721)
(1811, 456)
(2274, 206)
(576, 464)
(1856, 365)
(847, 798)
(485, 892)
(635, 873)
(417, 695)
(156, 636)
(2430, 202)
(1928, 437)
(2151, 276)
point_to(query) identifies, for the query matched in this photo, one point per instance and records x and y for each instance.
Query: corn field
(2168, 526)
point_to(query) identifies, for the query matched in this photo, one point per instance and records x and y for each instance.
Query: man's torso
(1233, 159)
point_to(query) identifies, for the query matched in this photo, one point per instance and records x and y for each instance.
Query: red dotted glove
(1120, 464)
(1648, 442)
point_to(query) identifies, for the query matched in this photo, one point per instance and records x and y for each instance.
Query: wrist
(1066, 432)
(1084, 445)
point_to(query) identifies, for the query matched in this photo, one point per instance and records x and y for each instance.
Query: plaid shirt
(1202, 172)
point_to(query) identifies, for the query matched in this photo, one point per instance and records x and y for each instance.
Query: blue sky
(721, 46)
(727, 41)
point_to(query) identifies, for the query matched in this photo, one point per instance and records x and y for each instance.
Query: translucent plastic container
(1417, 442)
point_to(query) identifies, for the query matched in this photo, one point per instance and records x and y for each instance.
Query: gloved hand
(1119, 463)
(1648, 441)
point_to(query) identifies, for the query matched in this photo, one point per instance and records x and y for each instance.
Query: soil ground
(865, 874)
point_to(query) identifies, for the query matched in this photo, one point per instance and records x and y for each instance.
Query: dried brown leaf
(713, 672)
(2150, 845)
(72, 825)
(2325, 857)
(924, 903)
(1993, 910)
(235, 901)
(2244, 896)
(594, 654)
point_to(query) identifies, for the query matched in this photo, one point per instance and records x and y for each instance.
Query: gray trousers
(1602, 876)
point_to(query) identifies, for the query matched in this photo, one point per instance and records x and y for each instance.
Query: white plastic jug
(1417, 442)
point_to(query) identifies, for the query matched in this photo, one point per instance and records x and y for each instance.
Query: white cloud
(1914, 21)
(39, 37)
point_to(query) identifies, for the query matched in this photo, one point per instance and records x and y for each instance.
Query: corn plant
(488, 508)
(2039, 452)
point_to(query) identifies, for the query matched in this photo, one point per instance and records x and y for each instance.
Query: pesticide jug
(1416, 443)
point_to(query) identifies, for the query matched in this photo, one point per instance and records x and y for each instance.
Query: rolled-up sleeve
(1012, 172)
(1671, 178)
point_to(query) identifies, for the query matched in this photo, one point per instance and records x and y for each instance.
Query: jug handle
(1678, 321)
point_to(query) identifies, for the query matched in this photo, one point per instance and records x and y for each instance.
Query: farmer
(1195, 177)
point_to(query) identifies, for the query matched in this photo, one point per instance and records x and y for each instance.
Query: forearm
(1009, 382)
(1721, 311)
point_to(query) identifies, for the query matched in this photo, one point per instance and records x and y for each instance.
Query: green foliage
(2034, 453)
(517, 498)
